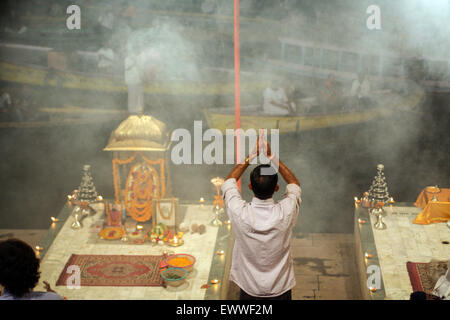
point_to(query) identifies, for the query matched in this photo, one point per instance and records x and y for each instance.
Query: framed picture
(166, 210)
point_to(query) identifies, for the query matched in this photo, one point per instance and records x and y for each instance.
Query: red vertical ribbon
(237, 96)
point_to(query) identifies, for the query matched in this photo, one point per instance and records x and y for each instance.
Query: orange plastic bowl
(181, 260)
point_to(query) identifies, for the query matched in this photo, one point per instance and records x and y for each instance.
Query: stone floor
(404, 241)
(324, 265)
(69, 241)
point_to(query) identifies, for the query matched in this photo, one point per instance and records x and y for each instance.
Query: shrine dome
(139, 133)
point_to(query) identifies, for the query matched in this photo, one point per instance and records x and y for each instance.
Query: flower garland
(140, 187)
(172, 209)
(140, 208)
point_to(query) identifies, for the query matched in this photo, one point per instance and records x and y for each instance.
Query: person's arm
(285, 172)
(279, 105)
(240, 168)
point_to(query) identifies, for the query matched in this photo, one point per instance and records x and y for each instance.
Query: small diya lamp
(38, 250)
(99, 198)
(361, 221)
(215, 281)
(357, 200)
(367, 255)
(220, 252)
(175, 241)
(54, 220)
(372, 289)
(365, 202)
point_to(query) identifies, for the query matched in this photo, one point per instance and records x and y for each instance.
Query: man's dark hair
(263, 186)
(19, 267)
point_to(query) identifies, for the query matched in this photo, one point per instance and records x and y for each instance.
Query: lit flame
(139, 227)
(368, 255)
(202, 200)
(215, 281)
(220, 252)
(54, 219)
(373, 289)
(99, 198)
(38, 248)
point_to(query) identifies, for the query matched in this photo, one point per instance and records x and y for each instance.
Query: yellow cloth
(433, 211)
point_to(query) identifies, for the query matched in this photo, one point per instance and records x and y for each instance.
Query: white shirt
(132, 72)
(262, 263)
(106, 20)
(278, 96)
(5, 100)
(442, 286)
(105, 58)
(360, 89)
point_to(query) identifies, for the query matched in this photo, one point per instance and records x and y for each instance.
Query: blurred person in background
(330, 96)
(360, 91)
(106, 58)
(5, 106)
(275, 100)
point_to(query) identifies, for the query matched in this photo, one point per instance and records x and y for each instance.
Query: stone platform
(62, 241)
(391, 248)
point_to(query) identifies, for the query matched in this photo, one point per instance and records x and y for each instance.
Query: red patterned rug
(423, 276)
(115, 270)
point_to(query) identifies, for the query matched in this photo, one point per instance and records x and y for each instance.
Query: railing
(332, 59)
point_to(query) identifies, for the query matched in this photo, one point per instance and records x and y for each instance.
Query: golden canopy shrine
(140, 171)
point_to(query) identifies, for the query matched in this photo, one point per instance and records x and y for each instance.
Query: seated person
(106, 21)
(5, 106)
(330, 95)
(276, 101)
(19, 272)
(360, 91)
(5, 101)
(442, 286)
(105, 59)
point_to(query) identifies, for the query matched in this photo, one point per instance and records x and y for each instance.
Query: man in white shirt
(276, 101)
(106, 59)
(262, 264)
(360, 91)
(360, 87)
